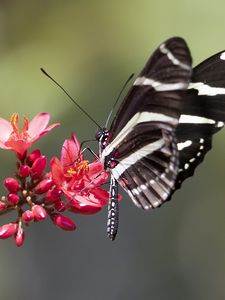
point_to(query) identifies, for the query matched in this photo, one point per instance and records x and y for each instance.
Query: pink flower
(75, 177)
(11, 138)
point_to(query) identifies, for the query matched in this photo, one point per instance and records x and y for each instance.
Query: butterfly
(163, 128)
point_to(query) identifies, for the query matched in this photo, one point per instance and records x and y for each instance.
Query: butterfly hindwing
(150, 180)
(203, 114)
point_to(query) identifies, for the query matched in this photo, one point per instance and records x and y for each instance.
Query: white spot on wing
(143, 187)
(220, 124)
(147, 207)
(222, 56)
(135, 191)
(181, 146)
(156, 203)
(186, 166)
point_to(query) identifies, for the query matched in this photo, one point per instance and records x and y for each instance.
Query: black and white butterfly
(164, 127)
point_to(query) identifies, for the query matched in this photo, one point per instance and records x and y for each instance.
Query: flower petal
(5, 130)
(83, 209)
(38, 124)
(44, 132)
(57, 172)
(18, 146)
(96, 168)
(99, 195)
(70, 151)
(3, 146)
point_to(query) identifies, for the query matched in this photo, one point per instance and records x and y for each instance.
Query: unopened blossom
(13, 198)
(24, 171)
(39, 212)
(8, 230)
(28, 216)
(11, 184)
(19, 237)
(63, 222)
(2, 206)
(38, 166)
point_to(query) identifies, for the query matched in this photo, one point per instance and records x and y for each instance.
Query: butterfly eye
(99, 133)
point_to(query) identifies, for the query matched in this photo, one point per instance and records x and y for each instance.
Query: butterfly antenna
(73, 100)
(117, 99)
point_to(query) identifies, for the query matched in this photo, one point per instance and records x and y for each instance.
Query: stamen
(14, 123)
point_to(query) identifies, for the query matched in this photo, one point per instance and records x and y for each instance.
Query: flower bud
(24, 171)
(33, 156)
(28, 216)
(11, 184)
(43, 186)
(39, 212)
(19, 237)
(8, 230)
(63, 222)
(38, 167)
(53, 195)
(13, 198)
(2, 206)
(60, 206)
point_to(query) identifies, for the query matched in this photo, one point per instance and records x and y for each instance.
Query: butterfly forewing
(160, 85)
(142, 136)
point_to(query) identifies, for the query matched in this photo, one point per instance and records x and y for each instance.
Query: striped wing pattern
(203, 114)
(150, 180)
(142, 136)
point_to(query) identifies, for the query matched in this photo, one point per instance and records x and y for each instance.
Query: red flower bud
(28, 216)
(53, 195)
(33, 156)
(60, 206)
(24, 171)
(8, 230)
(19, 237)
(13, 198)
(43, 186)
(63, 222)
(2, 206)
(11, 185)
(39, 212)
(38, 166)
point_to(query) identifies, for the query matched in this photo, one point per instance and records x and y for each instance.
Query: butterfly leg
(113, 209)
(91, 151)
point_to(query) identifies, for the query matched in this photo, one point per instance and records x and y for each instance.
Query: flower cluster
(72, 184)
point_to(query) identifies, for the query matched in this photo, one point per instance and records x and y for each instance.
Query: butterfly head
(101, 136)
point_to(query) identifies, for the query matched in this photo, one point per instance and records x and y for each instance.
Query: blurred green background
(91, 47)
